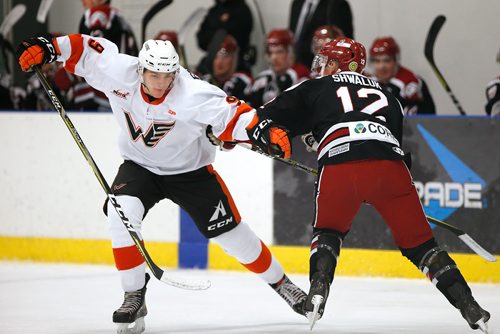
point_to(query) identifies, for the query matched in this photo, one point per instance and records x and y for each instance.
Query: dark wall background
(474, 140)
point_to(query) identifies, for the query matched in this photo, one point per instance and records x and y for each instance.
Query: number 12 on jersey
(345, 97)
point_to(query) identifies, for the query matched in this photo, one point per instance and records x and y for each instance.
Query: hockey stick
(157, 271)
(186, 26)
(14, 15)
(429, 55)
(7, 24)
(43, 10)
(458, 232)
(465, 238)
(261, 18)
(150, 14)
(289, 162)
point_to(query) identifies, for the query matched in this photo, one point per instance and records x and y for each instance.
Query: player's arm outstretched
(93, 58)
(283, 118)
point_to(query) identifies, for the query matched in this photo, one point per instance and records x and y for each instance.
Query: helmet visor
(319, 63)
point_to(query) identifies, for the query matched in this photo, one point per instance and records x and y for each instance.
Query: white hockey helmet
(158, 56)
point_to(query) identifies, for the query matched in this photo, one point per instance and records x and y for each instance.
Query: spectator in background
(224, 74)
(168, 35)
(235, 18)
(409, 89)
(492, 106)
(307, 15)
(283, 72)
(323, 35)
(101, 20)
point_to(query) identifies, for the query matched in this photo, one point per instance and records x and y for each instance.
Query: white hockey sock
(128, 259)
(242, 243)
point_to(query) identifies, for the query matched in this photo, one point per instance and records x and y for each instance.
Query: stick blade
(177, 282)
(12, 17)
(43, 10)
(477, 248)
(186, 284)
(190, 22)
(436, 26)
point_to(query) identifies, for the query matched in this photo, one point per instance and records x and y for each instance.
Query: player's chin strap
(455, 230)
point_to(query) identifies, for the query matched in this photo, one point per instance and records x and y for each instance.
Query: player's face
(87, 4)
(278, 59)
(331, 68)
(223, 65)
(157, 83)
(385, 67)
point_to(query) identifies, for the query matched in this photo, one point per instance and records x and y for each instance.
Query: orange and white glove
(36, 51)
(269, 137)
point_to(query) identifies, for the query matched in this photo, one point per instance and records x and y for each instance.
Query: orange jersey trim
(56, 46)
(227, 135)
(76, 41)
(234, 209)
(127, 257)
(262, 263)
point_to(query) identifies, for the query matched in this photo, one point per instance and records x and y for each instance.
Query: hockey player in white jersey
(163, 112)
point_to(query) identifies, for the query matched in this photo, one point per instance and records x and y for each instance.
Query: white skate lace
(291, 293)
(132, 302)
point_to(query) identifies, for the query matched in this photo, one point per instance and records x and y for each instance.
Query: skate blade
(483, 326)
(137, 327)
(314, 316)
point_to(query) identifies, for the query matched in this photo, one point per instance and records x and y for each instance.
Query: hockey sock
(128, 259)
(441, 270)
(242, 243)
(325, 250)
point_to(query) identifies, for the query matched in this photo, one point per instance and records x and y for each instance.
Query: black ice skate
(292, 294)
(316, 299)
(476, 317)
(130, 316)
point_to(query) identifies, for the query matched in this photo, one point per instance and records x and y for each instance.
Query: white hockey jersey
(166, 136)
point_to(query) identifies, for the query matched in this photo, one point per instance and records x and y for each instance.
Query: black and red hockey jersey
(351, 117)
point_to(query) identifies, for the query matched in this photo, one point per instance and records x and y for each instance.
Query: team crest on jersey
(156, 131)
(120, 94)
(360, 128)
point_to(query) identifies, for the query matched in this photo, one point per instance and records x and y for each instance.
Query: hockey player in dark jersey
(282, 73)
(358, 126)
(410, 89)
(224, 72)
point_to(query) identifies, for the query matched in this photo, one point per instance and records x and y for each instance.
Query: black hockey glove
(269, 137)
(36, 51)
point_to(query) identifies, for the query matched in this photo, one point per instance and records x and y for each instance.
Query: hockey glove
(270, 138)
(309, 142)
(223, 146)
(36, 51)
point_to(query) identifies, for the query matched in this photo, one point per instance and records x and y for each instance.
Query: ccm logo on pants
(220, 211)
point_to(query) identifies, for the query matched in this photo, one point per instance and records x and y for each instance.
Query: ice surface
(55, 298)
